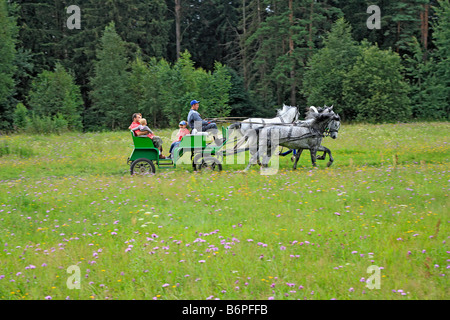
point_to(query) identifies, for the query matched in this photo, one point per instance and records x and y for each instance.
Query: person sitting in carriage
(140, 129)
(196, 122)
(181, 133)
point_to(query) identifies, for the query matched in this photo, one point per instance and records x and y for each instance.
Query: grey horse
(302, 135)
(248, 127)
(288, 114)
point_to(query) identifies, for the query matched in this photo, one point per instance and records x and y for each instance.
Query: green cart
(145, 157)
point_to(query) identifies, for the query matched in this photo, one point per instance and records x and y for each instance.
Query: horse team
(263, 136)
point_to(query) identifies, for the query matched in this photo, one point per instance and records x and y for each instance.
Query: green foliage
(8, 39)
(47, 124)
(178, 84)
(111, 100)
(375, 88)
(240, 101)
(21, 117)
(8, 32)
(270, 45)
(213, 91)
(428, 91)
(364, 82)
(32, 123)
(279, 45)
(55, 93)
(163, 91)
(429, 74)
(327, 69)
(442, 56)
(144, 90)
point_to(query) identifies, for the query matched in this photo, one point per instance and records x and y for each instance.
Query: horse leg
(329, 154)
(322, 157)
(313, 152)
(252, 160)
(297, 157)
(253, 143)
(241, 142)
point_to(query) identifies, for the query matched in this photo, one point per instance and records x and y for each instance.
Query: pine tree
(442, 54)
(375, 87)
(327, 69)
(111, 101)
(144, 88)
(214, 90)
(406, 17)
(8, 33)
(54, 93)
(429, 73)
(286, 36)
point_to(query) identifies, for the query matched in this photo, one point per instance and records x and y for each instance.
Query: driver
(195, 121)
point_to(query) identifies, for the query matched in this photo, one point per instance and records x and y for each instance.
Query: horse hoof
(329, 164)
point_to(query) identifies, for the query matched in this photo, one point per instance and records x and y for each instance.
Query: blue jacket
(194, 118)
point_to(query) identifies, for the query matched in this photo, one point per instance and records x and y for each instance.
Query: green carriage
(145, 157)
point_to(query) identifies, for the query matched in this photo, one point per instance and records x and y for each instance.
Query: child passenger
(181, 133)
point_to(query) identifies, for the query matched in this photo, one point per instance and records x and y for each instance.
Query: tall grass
(304, 234)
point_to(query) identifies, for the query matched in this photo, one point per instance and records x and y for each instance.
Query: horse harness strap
(311, 133)
(290, 132)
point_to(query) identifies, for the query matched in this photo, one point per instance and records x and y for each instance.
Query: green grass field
(69, 200)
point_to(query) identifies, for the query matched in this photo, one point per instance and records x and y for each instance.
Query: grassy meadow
(69, 200)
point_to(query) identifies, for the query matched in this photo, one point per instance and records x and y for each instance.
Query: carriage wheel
(142, 166)
(207, 163)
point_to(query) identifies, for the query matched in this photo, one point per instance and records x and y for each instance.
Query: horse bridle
(330, 129)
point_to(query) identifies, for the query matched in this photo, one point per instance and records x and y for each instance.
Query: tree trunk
(177, 27)
(244, 50)
(424, 29)
(291, 53)
(311, 25)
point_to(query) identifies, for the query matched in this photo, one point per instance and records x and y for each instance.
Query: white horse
(301, 135)
(288, 114)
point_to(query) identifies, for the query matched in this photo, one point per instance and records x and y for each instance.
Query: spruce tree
(442, 57)
(112, 104)
(375, 88)
(54, 93)
(8, 33)
(327, 69)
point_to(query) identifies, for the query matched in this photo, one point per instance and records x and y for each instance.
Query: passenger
(181, 133)
(195, 121)
(135, 118)
(144, 130)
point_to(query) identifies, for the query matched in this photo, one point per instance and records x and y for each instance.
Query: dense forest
(86, 65)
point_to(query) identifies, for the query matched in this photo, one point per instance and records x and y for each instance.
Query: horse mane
(311, 112)
(283, 110)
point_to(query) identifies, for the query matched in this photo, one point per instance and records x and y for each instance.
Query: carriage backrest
(197, 140)
(142, 141)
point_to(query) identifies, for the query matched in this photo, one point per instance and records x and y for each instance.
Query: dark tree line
(256, 54)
